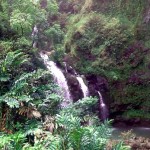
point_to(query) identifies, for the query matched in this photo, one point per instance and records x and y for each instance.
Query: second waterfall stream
(103, 107)
(83, 86)
(59, 78)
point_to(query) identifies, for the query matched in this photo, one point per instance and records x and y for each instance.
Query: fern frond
(11, 61)
(10, 101)
(68, 121)
(26, 79)
(14, 58)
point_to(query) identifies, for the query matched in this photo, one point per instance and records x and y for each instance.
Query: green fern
(121, 146)
(10, 63)
(12, 142)
(79, 137)
(25, 81)
(68, 121)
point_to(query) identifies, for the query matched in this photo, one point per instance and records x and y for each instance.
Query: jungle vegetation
(101, 37)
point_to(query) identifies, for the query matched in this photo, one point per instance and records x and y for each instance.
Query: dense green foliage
(67, 131)
(110, 39)
(98, 40)
(96, 37)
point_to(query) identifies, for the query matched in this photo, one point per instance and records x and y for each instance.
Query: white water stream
(103, 107)
(59, 78)
(83, 86)
(34, 36)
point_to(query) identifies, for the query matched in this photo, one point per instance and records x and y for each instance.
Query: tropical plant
(23, 95)
(10, 63)
(14, 141)
(121, 146)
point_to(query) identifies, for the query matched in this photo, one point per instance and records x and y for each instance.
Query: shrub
(97, 39)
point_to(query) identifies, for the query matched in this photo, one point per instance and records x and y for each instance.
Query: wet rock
(74, 87)
(148, 145)
(97, 83)
(102, 84)
(120, 124)
(134, 145)
(137, 120)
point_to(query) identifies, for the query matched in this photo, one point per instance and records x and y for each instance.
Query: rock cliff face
(113, 54)
(120, 69)
(74, 87)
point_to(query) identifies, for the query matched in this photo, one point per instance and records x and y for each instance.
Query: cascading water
(103, 107)
(59, 78)
(83, 86)
(34, 36)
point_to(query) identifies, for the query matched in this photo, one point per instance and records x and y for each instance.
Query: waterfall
(84, 88)
(59, 78)
(35, 36)
(65, 66)
(103, 107)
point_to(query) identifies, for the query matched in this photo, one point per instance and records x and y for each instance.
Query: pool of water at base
(138, 131)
